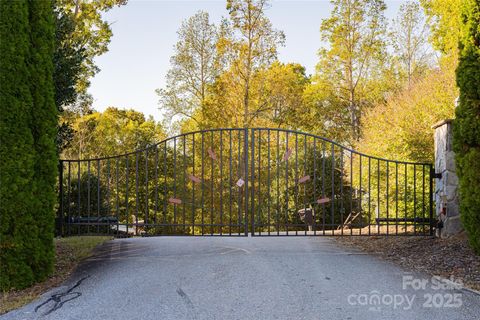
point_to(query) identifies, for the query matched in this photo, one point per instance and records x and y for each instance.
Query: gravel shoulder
(450, 258)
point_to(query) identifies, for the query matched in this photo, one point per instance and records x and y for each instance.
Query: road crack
(188, 302)
(68, 295)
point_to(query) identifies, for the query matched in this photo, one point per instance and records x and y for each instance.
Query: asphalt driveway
(246, 278)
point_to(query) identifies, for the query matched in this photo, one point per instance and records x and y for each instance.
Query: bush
(467, 124)
(27, 149)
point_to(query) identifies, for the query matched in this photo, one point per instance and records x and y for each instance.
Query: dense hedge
(467, 123)
(28, 120)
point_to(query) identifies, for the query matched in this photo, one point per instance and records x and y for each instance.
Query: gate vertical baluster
(286, 183)
(430, 192)
(240, 174)
(145, 222)
(211, 185)
(245, 152)
(252, 199)
(378, 196)
(79, 203)
(360, 196)
(184, 196)
(396, 197)
(230, 182)
(268, 180)
(156, 188)
(369, 195)
(203, 183)
(137, 200)
(341, 192)
(69, 187)
(117, 199)
(405, 198)
(175, 184)
(414, 199)
(323, 186)
(333, 189)
(193, 184)
(221, 182)
(88, 196)
(259, 192)
(278, 184)
(303, 175)
(126, 194)
(108, 196)
(61, 212)
(165, 196)
(314, 185)
(296, 187)
(387, 207)
(351, 192)
(423, 199)
(98, 196)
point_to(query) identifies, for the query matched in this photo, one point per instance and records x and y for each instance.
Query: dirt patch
(68, 253)
(447, 258)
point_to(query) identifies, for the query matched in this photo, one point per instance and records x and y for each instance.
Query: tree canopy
(112, 132)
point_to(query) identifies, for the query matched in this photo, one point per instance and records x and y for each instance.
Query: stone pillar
(446, 186)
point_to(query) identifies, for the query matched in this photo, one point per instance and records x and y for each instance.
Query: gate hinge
(435, 175)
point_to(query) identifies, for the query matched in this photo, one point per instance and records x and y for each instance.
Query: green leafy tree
(444, 18)
(254, 46)
(28, 131)
(246, 46)
(68, 59)
(276, 98)
(467, 123)
(400, 129)
(91, 33)
(80, 36)
(44, 129)
(281, 88)
(195, 64)
(355, 33)
(409, 38)
(16, 147)
(112, 132)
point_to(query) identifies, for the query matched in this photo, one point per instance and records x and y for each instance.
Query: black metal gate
(261, 181)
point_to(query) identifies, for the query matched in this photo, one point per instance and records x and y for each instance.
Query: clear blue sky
(144, 33)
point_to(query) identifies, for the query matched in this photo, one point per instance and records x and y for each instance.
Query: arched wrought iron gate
(238, 181)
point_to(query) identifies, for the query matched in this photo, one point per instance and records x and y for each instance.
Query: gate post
(446, 188)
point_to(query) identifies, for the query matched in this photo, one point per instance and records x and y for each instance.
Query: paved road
(244, 278)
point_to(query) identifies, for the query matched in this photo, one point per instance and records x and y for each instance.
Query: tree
(27, 130)
(466, 127)
(80, 36)
(112, 132)
(195, 64)
(68, 58)
(409, 37)
(355, 35)
(91, 33)
(228, 88)
(275, 93)
(44, 129)
(281, 88)
(400, 129)
(254, 47)
(444, 19)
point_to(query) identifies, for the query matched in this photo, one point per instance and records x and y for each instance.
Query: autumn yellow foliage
(400, 129)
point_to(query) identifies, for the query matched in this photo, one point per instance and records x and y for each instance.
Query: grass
(68, 253)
